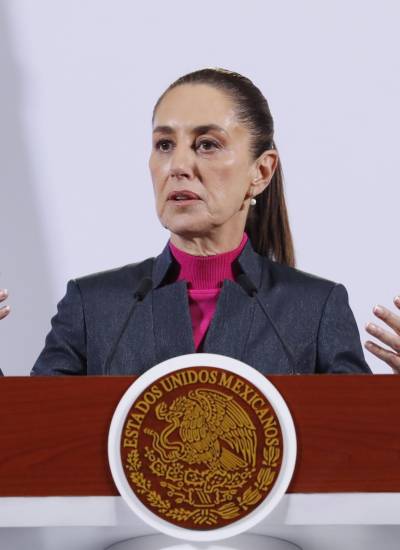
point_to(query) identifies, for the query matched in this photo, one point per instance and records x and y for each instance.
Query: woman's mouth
(183, 197)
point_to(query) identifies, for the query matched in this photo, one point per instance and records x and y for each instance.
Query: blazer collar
(248, 261)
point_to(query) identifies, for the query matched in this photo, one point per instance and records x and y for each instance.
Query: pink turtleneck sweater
(205, 276)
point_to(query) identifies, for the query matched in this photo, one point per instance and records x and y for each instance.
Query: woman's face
(201, 153)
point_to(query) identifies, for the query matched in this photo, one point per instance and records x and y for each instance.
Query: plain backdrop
(78, 81)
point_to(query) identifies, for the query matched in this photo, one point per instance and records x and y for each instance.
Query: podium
(56, 489)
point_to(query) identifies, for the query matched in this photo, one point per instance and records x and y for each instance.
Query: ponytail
(267, 223)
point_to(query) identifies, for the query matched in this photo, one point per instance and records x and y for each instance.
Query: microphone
(142, 290)
(144, 287)
(247, 285)
(250, 289)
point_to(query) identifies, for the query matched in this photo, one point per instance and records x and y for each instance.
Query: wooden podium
(55, 481)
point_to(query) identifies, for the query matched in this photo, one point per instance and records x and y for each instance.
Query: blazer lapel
(171, 321)
(172, 325)
(231, 324)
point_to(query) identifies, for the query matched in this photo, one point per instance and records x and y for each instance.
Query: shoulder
(297, 285)
(123, 277)
(284, 274)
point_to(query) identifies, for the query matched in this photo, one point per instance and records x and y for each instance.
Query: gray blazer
(282, 321)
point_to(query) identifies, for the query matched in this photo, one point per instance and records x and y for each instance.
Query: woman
(225, 282)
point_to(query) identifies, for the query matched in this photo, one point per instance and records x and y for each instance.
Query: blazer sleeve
(339, 347)
(65, 347)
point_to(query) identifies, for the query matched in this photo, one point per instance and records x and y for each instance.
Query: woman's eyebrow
(163, 130)
(203, 129)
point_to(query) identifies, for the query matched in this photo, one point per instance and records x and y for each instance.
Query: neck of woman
(206, 272)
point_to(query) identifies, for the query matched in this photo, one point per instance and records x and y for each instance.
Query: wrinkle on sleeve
(64, 352)
(339, 348)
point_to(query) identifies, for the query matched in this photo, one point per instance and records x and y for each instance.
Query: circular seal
(202, 447)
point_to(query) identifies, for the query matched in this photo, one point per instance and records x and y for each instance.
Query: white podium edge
(294, 509)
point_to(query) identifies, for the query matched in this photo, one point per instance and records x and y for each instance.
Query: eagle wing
(212, 415)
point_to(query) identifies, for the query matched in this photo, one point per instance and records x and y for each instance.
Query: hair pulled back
(267, 223)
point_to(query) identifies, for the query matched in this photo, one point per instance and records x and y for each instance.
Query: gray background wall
(78, 80)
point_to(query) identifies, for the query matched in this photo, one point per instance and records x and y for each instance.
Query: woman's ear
(264, 168)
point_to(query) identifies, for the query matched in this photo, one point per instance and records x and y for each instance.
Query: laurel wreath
(231, 510)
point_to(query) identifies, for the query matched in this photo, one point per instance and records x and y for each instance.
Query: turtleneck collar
(206, 272)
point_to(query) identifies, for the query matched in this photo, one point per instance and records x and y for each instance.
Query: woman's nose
(182, 162)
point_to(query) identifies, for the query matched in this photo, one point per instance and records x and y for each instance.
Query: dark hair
(267, 222)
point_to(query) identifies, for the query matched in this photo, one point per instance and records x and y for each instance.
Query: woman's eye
(163, 145)
(207, 145)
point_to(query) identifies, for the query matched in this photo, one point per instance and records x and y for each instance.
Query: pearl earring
(253, 201)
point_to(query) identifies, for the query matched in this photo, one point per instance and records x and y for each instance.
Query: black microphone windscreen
(247, 285)
(144, 287)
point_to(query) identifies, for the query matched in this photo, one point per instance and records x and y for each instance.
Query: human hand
(5, 310)
(392, 339)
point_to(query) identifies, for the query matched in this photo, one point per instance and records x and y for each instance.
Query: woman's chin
(188, 228)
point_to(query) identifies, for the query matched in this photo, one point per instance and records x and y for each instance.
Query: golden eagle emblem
(212, 430)
(201, 457)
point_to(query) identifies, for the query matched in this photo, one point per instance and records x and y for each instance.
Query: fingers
(390, 318)
(389, 357)
(392, 339)
(5, 310)
(389, 338)
(3, 294)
